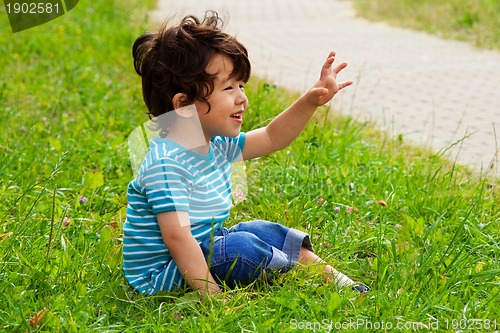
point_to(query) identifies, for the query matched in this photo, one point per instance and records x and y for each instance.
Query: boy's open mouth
(236, 115)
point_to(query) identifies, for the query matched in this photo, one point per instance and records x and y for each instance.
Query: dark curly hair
(175, 59)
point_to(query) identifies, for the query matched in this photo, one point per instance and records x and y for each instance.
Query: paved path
(433, 92)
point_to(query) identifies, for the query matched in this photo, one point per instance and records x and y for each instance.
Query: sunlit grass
(475, 21)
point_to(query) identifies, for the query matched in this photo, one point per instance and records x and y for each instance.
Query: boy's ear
(179, 100)
(181, 106)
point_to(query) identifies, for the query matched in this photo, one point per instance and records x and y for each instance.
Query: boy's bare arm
(186, 252)
(283, 129)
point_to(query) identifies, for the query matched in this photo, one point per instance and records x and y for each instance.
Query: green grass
(70, 98)
(474, 21)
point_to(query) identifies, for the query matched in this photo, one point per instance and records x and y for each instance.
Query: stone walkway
(431, 91)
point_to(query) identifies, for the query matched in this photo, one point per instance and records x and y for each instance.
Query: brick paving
(431, 91)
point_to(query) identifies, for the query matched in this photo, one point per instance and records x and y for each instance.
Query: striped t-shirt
(173, 178)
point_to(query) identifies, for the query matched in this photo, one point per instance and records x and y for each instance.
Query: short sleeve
(230, 147)
(167, 186)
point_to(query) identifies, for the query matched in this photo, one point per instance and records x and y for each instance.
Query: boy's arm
(186, 252)
(283, 129)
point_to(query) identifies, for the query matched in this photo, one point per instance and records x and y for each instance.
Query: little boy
(181, 195)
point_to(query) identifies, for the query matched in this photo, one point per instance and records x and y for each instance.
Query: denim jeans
(238, 255)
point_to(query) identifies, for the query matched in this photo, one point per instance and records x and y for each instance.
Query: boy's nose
(241, 98)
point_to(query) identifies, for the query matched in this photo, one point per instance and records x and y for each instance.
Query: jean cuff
(294, 241)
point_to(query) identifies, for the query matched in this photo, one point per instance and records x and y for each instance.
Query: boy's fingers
(327, 65)
(340, 67)
(344, 84)
(320, 91)
(330, 59)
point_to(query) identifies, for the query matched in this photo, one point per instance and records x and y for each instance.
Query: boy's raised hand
(327, 86)
(283, 129)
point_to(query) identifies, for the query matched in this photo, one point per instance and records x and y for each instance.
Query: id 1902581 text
(32, 8)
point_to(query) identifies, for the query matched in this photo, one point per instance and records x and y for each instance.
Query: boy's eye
(242, 87)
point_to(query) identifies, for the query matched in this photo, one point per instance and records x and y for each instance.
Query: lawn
(474, 21)
(422, 231)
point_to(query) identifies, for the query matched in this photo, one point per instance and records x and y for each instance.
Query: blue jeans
(237, 256)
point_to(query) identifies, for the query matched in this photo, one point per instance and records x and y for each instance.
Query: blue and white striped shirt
(173, 178)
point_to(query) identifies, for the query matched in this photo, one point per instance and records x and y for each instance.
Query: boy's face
(228, 101)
